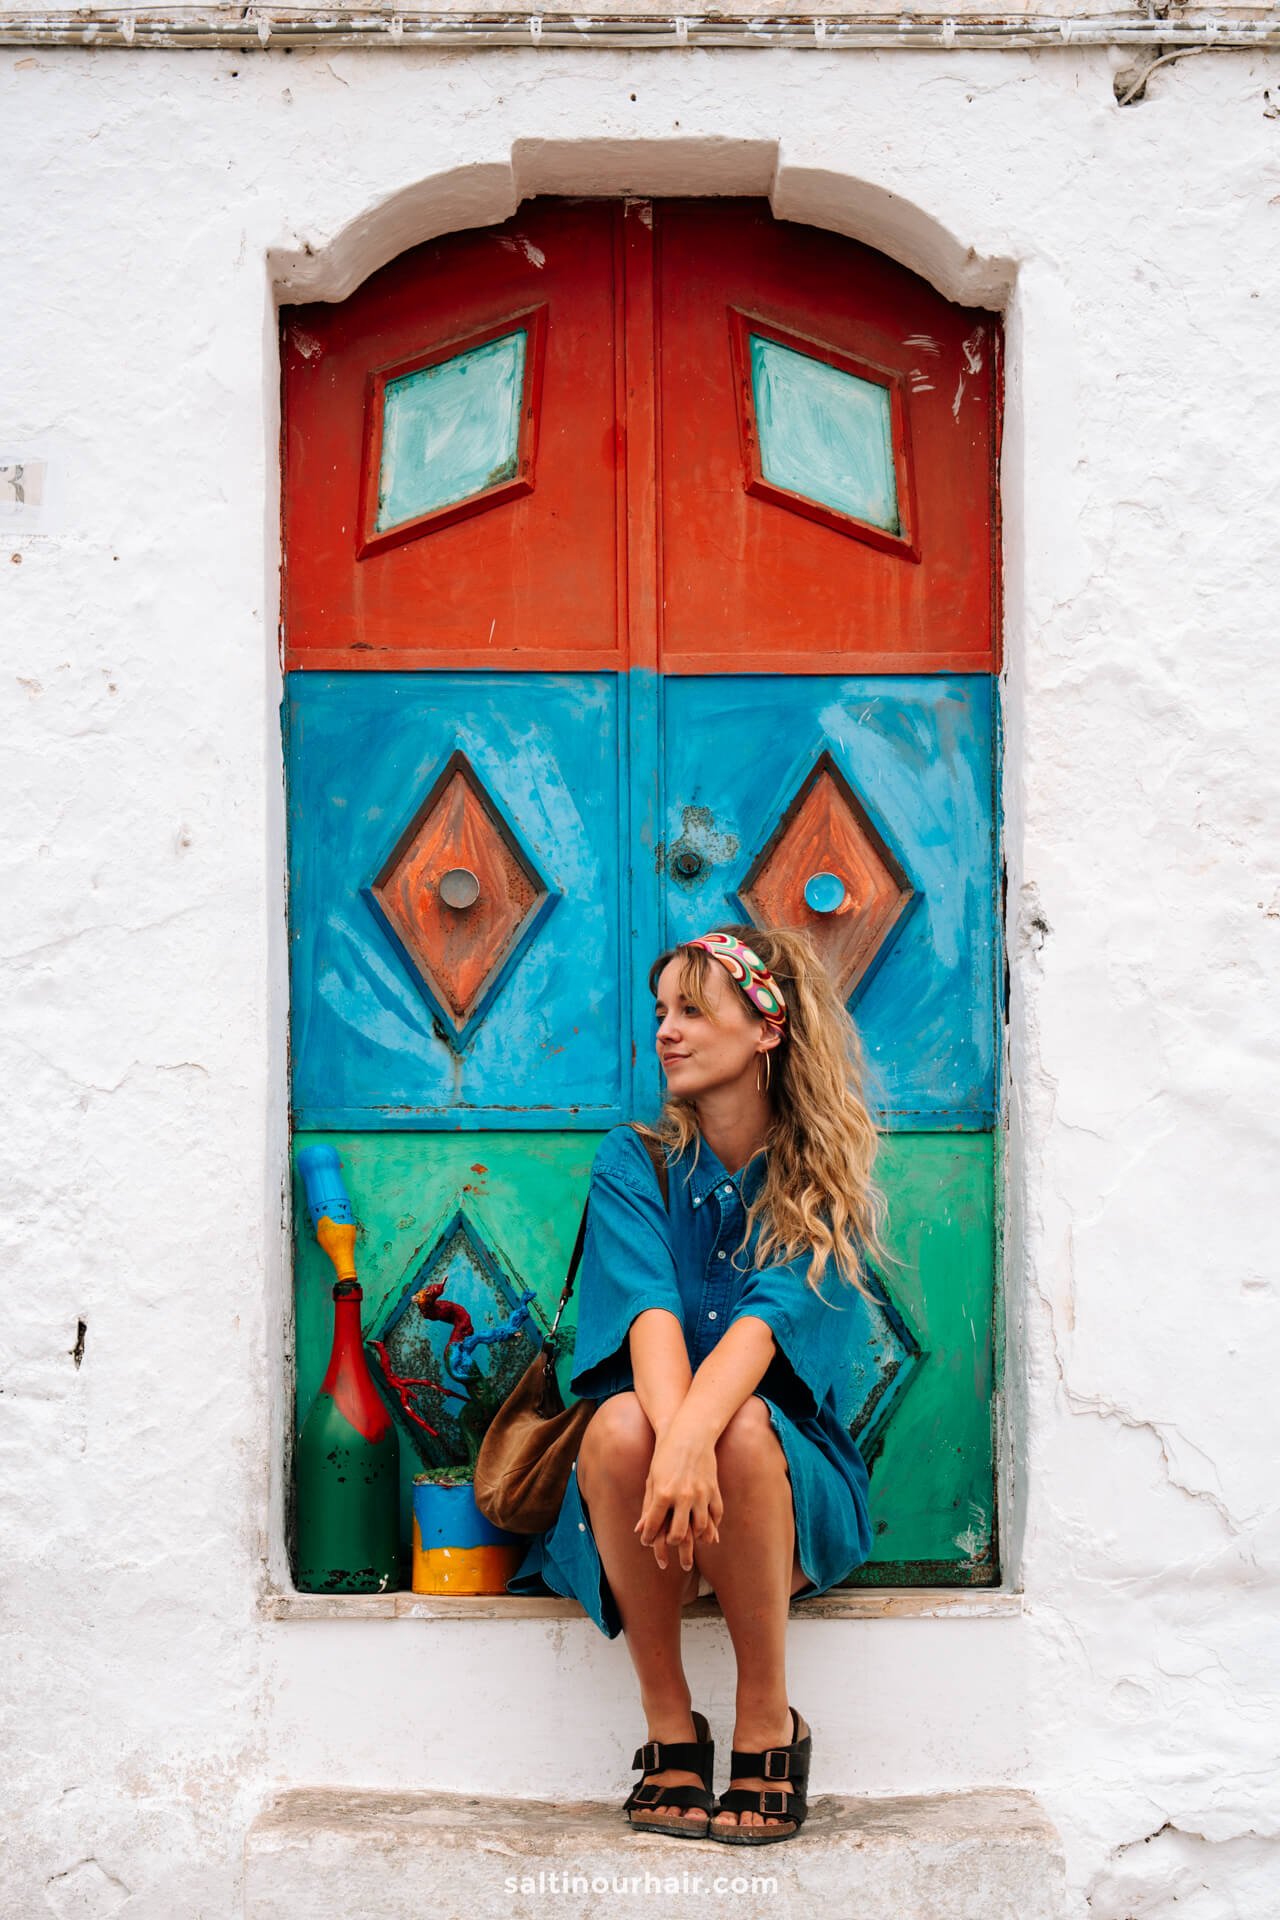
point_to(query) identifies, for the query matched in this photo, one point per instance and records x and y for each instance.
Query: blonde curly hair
(818, 1195)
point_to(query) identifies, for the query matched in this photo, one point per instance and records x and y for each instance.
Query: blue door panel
(916, 754)
(543, 1044)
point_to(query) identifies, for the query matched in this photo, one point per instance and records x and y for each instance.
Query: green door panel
(933, 1475)
(519, 1197)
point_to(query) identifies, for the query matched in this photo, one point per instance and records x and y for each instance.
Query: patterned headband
(749, 971)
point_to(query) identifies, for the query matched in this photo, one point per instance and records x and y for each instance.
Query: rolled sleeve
(627, 1265)
(816, 1334)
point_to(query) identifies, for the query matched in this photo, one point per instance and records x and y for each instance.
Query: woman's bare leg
(613, 1465)
(754, 1571)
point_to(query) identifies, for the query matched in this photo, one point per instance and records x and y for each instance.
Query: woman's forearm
(727, 1377)
(659, 1365)
(683, 1478)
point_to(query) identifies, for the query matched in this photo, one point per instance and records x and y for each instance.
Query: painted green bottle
(347, 1461)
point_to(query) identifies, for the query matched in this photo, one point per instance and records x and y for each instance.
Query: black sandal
(772, 1763)
(694, 1756)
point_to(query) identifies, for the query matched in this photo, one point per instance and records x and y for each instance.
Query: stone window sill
(901, 1603)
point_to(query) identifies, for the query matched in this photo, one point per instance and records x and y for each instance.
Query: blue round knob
(824, 892)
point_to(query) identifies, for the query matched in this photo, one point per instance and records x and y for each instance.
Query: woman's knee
(617, 1443)
(749, 1444)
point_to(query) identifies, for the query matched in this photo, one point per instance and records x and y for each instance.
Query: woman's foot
(753, 1735)
(668, 1728)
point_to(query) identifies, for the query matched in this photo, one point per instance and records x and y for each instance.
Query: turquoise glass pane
(451, 431)
(824, 433)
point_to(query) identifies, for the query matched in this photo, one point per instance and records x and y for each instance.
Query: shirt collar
(709, 1174)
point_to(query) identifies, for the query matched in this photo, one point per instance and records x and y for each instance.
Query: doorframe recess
(878, 214)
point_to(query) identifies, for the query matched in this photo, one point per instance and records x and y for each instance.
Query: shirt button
(711, 1316)
(582, 1526)
(697, 1203)
(719, 1256)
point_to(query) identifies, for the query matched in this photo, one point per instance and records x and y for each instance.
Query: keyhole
(688, 865)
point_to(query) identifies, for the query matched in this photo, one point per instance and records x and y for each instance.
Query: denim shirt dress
(638, 1254)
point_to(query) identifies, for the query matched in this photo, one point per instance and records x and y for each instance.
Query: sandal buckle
(782, 1771)
(773, 1800)
(648, 1756)
(648, 1796)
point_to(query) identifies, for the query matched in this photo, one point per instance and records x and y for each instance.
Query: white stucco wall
(151, 202)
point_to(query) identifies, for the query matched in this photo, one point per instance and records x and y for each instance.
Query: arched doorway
(640, 571)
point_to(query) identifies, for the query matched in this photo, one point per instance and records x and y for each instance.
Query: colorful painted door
(640, 572)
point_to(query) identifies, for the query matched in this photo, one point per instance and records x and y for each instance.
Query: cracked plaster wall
(148, 202)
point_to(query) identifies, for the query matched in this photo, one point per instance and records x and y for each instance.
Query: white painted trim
(330, 265)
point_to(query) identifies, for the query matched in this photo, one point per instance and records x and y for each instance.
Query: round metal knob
(824, 892)
(688, 865)
(459, 888)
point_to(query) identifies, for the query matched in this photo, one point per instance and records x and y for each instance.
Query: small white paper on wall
(23, 489)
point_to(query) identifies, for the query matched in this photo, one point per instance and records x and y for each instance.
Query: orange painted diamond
(828, 869)
(458, 892)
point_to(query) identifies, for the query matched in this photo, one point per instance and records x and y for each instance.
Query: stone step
(346, 1854)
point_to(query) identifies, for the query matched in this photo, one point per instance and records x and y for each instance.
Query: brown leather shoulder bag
(533, 1439)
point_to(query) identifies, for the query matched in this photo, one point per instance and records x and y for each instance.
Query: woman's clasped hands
(682, 1504)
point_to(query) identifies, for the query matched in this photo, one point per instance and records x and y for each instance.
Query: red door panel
(753, 585)
(527, 578)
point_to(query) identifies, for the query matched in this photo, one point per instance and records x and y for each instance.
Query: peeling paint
(520, 243)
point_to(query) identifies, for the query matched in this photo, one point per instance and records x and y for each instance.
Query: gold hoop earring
(768, 1074)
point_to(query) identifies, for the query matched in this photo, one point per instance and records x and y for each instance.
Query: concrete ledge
(333, 1854)
(902, 1603)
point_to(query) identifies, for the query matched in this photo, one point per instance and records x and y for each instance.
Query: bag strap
(658, 1160)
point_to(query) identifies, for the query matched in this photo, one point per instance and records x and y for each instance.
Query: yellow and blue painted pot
(455, 1549)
